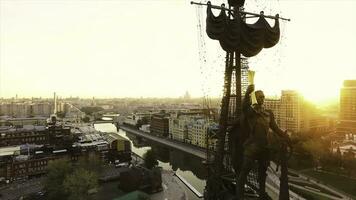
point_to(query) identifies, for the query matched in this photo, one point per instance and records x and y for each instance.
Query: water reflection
(137, 142)
(186, 165)
(177, 159)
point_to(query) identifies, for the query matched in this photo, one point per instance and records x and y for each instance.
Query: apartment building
(347, 114)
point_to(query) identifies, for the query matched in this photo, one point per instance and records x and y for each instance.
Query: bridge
(195, 151)
(102, 121)
(108, 118)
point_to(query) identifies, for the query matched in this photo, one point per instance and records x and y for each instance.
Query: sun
(319, 92)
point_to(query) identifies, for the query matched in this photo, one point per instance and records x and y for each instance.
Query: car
(125, 164)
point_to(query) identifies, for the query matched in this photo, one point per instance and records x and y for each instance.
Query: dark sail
(236, 3)
(237, 35)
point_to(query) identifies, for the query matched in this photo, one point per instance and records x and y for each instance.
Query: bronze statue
(256, 121)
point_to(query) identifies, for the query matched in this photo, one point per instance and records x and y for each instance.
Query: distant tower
(93, 102)
(186, 95)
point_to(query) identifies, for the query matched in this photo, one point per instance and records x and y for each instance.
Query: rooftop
(22, 129)
(8, 151)
(350, 83)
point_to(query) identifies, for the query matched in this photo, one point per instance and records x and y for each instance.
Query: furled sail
(236, 3)
(236, 35)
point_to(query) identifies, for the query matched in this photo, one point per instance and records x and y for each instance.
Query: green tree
(150, 159)
(91, 163)
(142, 121)
(53, 184)
(89, 110)
(79, 184)
(315, 149)
(86, 119)
(301, 158)
(63, 182)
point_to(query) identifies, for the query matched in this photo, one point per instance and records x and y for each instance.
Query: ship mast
(219, 182)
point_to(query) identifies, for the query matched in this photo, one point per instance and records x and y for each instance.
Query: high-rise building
(312, 120)
(275, 106)
(232, 116)
(14, 109)
(291, 111)
(244, 76)
(347, 115)
(42, 109)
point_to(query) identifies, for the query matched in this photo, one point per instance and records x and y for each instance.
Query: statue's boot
(241, 180)
(262, 185)
(240, 188)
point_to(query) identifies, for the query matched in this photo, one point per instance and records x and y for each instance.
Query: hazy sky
(149, 48)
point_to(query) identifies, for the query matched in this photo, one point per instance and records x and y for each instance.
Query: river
(186, 165)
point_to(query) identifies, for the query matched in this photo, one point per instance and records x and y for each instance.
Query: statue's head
(260, 97)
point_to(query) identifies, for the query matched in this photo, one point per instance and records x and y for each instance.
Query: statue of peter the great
(256, 121)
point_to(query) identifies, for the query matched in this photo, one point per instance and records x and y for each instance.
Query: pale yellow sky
(149, 48)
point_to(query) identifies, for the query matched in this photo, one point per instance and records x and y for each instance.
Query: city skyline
(107, 50)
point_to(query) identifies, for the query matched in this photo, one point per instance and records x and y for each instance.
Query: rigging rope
(211, 62)
(203, 58)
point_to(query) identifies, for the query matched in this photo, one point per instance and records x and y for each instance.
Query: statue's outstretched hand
(250, 89)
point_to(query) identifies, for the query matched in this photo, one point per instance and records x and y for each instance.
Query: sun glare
(320, 92)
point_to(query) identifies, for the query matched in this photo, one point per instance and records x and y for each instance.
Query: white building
(190, 128)
(198, 131)
(135, 117)
(145, 128)
(345, 149)
(178, 127)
